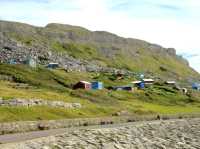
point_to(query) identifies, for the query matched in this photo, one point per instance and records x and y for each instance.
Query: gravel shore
(169, 134)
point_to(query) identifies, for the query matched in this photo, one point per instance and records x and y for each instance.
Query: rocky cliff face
(79, 49)
(171, 134)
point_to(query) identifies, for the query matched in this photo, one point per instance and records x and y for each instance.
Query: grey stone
(169, 134)
(39, 102)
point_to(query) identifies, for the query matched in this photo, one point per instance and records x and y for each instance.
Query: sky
(169, 23)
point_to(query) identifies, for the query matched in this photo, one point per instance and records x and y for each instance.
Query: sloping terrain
(56, 85)
(90, 56)
(76, 48)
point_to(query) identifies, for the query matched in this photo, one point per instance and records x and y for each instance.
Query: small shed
(141, 85)
(97, 85)
(170, 82)
(53, 65)
(82, 85)
(196, 86)
(148, 81)
(138, 84)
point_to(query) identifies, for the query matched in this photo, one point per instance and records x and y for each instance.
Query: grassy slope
(55, 85)
(146, 62)
(81, 46)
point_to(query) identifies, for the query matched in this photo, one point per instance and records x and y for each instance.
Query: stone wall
(38, 102)
(5, 78)
(26, 126)
(15, 127)
(170, 134)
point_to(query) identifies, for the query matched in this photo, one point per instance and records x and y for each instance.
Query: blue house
(97, 85)
(53, 65)
(196, 86)
(139, 84)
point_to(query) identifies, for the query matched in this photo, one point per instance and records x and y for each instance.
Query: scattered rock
(122, 113)
(168, 134)
(39, 102)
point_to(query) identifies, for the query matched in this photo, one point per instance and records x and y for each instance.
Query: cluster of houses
(134, 85)
(99, 85)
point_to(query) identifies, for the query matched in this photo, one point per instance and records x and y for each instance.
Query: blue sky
(170, 23)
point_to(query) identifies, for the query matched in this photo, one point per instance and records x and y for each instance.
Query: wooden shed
(82, 85)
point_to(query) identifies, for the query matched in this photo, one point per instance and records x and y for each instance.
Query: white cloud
(170, 28)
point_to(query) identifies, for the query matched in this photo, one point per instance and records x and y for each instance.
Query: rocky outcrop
(105, 50)
(38, 102)
(171, 134)
(11, 50)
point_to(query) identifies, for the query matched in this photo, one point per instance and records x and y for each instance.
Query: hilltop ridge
(79, 49)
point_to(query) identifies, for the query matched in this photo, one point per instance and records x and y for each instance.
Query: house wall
(81, 85)
(88, 86)
(97, 85)
(52, 66)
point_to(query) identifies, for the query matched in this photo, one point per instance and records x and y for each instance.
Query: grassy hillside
(102, 48)
(56, 85)
(72, 46)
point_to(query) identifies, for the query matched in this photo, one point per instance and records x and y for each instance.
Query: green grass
(39, 77)
(46, 113)
(56, 85)
(80, 51)
(83, 44)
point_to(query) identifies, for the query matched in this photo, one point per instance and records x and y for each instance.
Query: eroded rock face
(171, 134)
(19, 41)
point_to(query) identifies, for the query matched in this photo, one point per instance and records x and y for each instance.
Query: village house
(138, 84)
(196, 86)
(53, 65)
(148, 81)
(170, 82)
(97, 85)
(83, 85)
